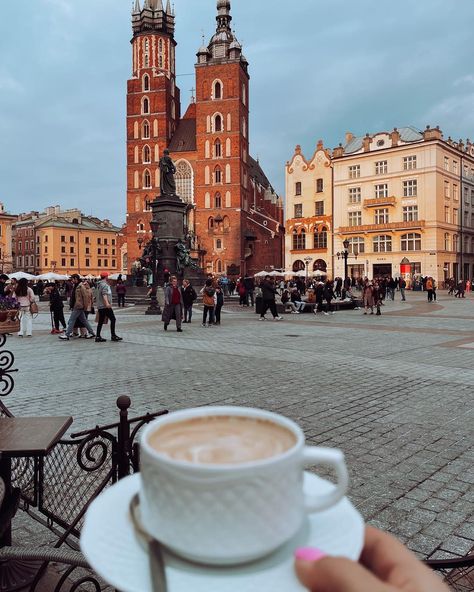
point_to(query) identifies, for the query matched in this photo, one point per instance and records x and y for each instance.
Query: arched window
(321, 239)
(146, 83)
(382, 243)
(210, 223)
(320, 265)
(219, 266)
(356, 245)
(298, 265)
(228, 199)
(146, 179)
(135, 130)
(217, 149)
(411, 242)
(207, 200)
(228, 147)
(207, 175)
(299, 240)
(145, 106)
(218, 123)
(146, 155)
(217, 175)
(218, 201)
(146, 46)
(228, 175)
(136, 158)
(217, 91)
(146, 130)
(136, 180)
(137, 204)
(184, 181)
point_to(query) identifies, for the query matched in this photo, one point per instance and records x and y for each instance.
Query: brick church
(235, 218)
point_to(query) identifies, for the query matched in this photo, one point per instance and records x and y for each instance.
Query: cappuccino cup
(224, 485)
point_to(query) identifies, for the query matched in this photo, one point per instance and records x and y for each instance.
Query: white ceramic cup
(230, 514)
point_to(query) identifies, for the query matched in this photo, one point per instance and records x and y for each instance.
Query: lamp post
(307, 261)
(345, 255)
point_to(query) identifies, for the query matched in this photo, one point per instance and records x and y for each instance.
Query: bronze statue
(167, 173)
(183, 257)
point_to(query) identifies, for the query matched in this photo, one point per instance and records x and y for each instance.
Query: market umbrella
(52, 277)
(319, 272)
(19, 275)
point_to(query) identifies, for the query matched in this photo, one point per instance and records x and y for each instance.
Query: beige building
(405, 201)
(6, 222)
(308, 212)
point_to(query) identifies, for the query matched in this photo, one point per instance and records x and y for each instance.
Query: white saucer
(113, 550)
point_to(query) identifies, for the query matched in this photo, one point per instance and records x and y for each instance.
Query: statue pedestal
(169, 212)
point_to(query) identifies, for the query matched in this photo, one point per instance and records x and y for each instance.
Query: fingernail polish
(309, 554)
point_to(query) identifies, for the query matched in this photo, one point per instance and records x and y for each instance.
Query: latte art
(222, 440)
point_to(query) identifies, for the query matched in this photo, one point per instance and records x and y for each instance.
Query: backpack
(208, 297)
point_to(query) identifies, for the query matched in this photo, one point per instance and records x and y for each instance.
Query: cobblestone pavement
(394, 392)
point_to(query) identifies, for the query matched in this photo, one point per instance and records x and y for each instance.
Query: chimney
(432, 133)
(349, 137)
(338, 152)
(395, 136)
(366, 142)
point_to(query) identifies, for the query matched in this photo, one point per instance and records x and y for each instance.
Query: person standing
(104, 308)
(219, 304)
(208, 299)
(429, 288)
(368, 297)
(25, 296)
(79, 303)
(121, 291)
(242, 292)
(249, 284)
(3, 280)
(56, 306)
(174, 305)
(189, 297)
(402, 285)
(329, 296)
(268, 299)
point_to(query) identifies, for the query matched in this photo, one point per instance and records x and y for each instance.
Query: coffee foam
(218, 440)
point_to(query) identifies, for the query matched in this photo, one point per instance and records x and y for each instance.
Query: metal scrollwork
(7, 359)
(93, 452)
(89, 579)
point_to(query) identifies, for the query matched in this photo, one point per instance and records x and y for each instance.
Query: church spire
(223, 15)
(168, 7)
(137, 8)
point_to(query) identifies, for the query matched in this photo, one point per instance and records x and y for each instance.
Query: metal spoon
(155, 553)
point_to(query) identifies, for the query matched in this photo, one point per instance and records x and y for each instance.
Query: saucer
(112, 548)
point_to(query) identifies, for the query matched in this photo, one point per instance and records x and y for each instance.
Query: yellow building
(308, 212)
(6, 224)
(405, 201)
(66, 242)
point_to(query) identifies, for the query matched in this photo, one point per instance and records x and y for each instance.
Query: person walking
(329, 296)
(402, 285)
(189, 297)
(368, 297)
(249, 284)
(429, 288)
(242, 292)
(174, 305)
(56, 306)
(79, 303)
(26, 297)
(219, 304)
(268, 299)
(104, 309)
(121, 291)
(208, 299)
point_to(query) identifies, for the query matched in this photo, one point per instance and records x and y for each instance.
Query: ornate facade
(235, 217)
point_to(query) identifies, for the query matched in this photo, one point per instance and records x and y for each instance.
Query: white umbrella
(115, 276)
(19, 275)
(319, 272)
(52, 277)
(261, 274)
(301, 273)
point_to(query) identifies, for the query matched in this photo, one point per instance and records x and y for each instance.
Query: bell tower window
(146, 106)
(146, 83)
(217, 90)
(146, 130)
(218, 123)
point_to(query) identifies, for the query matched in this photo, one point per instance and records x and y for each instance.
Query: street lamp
(344, 255)
(307, 261)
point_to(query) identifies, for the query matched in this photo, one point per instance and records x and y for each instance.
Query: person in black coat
(328, 295)
(219, 305)
(56, 306)
(189, 297)
(268, 297)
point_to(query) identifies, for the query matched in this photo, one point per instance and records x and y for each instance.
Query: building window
(146, 155)
(63, 249)
(217, 149)
(455, 167)
(71, 250)
(381, 190)
(218, 123)
(46, 263)
(409, 163)
(71, 239)
(411, 242)
(63, 262)
(218, 244)
(447, 242)
(321, 239)
(455, 216)
(447, 193)
(99, 251)
(88, 250)
(381, 216)
(106, 263)
(354, 171)
(410, 213)
(88, 240)
(355, 218)
(446, 163)
(217, 94)
(146, 130)
(218, 201)
(73, 262)
(146, 106)
(147, 180)
(382, 243)
(455, 243)
(356, 245)
(114, 262)
(299, 240)
(46, 250)
(113, 240)
(410, 188)
(319, 185)
(184, 181)
(298, 210)
(319, 208)
(355, 195)
(298, 188)
(455, 192)
(381, 167)
(88, 262)
(99, 263)
(466, 195)
(146, 83)
(217, 175)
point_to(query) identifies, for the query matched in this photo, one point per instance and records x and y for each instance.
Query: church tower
(153, 110)
(222, 184)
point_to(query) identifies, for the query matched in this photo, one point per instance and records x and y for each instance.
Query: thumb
(320, 573)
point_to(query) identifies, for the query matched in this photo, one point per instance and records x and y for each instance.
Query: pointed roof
(137, 8)
(168, 7)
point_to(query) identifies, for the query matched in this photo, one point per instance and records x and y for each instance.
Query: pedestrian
(79, 303)
(377, 295)
(242, 292)
(429, 288)
(268, 299)
(328, 295)
(219, 304)
(121, 291)
(189, 297)
(297, 300)
(461, 289)
(26, 297)
(104, 309)
(174, 305)
(208, 300)
(56, 306)
(249, 284)
(402, 285)
(434, 289)
(368, 297)
(3, 280)
(319, 295)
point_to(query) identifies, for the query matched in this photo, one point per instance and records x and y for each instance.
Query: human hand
(385, 566)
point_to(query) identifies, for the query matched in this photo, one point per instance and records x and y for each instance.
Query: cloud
(64, 6)
(468, 80)
(8, 83)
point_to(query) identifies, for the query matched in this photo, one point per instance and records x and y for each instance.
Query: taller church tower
(222, 184)
(153, 110)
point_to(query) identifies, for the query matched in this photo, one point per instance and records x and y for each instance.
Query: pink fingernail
(309, 554)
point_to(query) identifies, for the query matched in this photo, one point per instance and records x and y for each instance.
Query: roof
(407, 135)
(86, 224)
(256, 172)
(184, 139)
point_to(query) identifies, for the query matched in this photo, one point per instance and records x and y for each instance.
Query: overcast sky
(318, 69)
